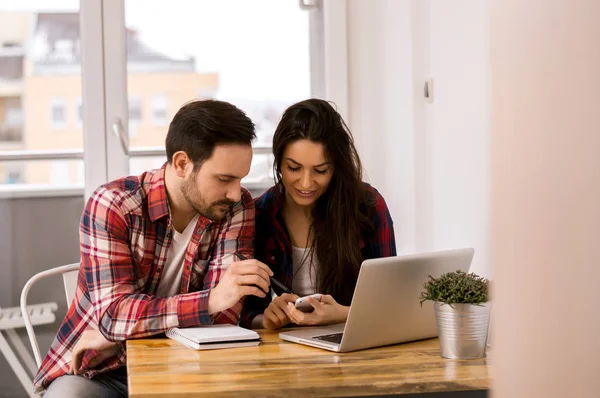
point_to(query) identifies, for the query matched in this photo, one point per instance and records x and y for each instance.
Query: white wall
(380, 104)
(430, 161)
(457, 127)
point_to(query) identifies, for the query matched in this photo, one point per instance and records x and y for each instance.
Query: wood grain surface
(164, 368)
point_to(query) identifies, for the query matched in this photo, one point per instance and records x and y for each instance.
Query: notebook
(212, 337)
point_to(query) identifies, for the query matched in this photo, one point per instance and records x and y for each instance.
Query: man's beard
(195, 199)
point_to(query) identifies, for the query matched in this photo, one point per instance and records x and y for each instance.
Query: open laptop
(385, 306)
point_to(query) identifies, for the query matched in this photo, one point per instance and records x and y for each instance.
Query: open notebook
(212, 337)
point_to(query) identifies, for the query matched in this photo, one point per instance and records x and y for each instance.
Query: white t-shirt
(305, 273)
(170, 282)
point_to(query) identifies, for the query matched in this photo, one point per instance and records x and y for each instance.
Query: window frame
(103, 64)
(79, 112)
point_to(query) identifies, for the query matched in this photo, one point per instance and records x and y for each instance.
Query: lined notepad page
(214, 333)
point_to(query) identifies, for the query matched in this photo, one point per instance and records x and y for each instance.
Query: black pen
(273, 280)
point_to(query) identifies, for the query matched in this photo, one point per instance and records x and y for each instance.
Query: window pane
(57, 113)
(137, 165)
(256, 57)
(43, 173)
(40, 88)
(159, 110)
(261, 170)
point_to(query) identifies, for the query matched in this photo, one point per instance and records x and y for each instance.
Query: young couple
(157, 250)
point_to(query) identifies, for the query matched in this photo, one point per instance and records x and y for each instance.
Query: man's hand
(242, 278)
(92, 339)
(327, 312)
(274, 316)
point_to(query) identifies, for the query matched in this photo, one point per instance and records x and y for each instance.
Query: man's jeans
(106, 385)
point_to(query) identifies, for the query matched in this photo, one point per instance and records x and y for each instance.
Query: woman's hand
(327, 312)
(274, 316)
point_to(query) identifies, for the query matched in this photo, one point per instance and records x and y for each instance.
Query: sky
(259, 47)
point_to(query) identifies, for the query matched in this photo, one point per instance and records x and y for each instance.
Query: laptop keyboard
(332, 338)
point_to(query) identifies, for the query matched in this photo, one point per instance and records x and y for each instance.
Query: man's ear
(181, 163)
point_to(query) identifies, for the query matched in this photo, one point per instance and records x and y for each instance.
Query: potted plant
(462, 313)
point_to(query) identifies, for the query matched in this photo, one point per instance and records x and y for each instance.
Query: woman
(319, 222)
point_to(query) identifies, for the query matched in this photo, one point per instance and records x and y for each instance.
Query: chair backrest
(69, 273)
(70, 282)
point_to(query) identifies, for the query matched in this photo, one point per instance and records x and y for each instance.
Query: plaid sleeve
(236, 233)
(382, 243)
(120, 308)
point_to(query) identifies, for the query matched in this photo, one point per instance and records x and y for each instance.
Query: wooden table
(163, 367)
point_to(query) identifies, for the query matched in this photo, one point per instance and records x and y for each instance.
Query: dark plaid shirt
(273, 247)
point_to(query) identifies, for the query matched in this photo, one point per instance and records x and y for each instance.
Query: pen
(273, 280)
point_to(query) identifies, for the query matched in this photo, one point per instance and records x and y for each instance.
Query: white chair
(28, 316)
(11, 319)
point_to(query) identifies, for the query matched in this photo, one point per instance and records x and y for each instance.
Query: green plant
(456, 288)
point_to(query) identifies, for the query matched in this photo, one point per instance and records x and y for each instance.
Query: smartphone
(303, 305)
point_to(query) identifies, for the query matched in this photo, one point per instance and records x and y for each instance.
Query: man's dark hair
(200, 125)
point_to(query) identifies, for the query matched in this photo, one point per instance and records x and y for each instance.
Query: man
(156, 252)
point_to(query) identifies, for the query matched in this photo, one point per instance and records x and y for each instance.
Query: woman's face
(305, 171)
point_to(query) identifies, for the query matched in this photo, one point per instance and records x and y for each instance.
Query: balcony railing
(75, 154)
(26, 190)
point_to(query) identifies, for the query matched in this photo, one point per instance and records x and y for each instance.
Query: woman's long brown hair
(342, 213)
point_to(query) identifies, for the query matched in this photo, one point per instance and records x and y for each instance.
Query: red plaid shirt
(125, 234)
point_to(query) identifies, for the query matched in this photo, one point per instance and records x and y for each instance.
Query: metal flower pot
(462, 329)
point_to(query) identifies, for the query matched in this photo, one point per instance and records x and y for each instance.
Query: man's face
(215, 187)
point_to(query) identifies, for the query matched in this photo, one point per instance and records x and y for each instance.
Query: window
(10, 44)
(159, 111)
(63, 50)
(135, 110)
(58, 117)
(164, 65)
(259, 63)
(14, 117)
(11, 120)
(40, 91)
(13, 177)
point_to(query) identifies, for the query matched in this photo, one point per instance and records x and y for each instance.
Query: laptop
(386, 305)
